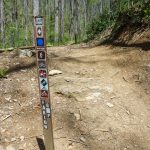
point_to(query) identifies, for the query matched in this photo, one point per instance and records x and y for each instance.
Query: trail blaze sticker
(41, 64)
(42, 73)
(43, 84)
(38, 21)
(46, 113)
(41, 55)
(40, 42)
(39, 31)
(44, 93)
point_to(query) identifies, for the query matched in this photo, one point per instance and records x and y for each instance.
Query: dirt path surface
(101, 101)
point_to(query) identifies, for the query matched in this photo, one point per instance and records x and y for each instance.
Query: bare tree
(61, 20)
(26, 19)
(36, 8)
(56, 21)
(2, 21)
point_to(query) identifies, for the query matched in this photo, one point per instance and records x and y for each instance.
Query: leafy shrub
(147, 13)
(98, 25)
(3, 73)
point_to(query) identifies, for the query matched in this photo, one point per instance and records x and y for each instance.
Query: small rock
(110, 105)
(13, 139)
(97, 94)
(29, 53)
(8, 98)
(77, 72)
(54, 72)
(2, 130)
(83, 139)
(32, 79)
(11, 108)
(21, 71)
(10, 49)
(25, 53)
(22, 54)
(89, 97)
(15, 100)
(77, 116)
(67, 80)
(6, 140)
(22, 138)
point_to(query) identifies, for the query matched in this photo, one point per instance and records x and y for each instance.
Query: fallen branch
(125, 79)
(18, 48)
(6, 118)
(27, 47)
(7, 49)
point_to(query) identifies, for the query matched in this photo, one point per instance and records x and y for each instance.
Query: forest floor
(101, 101)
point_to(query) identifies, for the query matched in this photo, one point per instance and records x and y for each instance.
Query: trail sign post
(42, 69)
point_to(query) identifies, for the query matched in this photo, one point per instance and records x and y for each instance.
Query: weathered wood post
(42, 69)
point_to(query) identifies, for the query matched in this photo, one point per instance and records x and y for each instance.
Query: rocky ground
(101, 101)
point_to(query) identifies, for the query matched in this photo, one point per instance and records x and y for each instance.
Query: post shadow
(40, 143)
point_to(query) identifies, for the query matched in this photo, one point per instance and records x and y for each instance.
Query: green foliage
(99, 24)
(3, 72)
(147, 13)
(121, 15)
(50, 41)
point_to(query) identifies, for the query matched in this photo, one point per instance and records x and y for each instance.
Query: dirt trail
(100, 102)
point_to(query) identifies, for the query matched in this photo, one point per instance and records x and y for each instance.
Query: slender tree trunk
(71, 30)
(2, 22)
(85, 16)
(36, 12)
(102, 6)
(36, 7)
(16, 22)
(76, 21)
(62, 20)
(26, 20)
(56, 21)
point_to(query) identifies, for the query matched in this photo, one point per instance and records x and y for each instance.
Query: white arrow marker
(39, 30)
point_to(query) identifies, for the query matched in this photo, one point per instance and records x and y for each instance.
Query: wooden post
(42, 69)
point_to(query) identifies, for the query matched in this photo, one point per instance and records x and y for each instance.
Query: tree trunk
(56, 21)
(62, 20)
(26, 13)
(71, 30)
(36, 8)
(2, 22)
(76, 21)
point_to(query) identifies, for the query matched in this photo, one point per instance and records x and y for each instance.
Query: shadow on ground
(17, 68)
(40, 143)
(144, 46)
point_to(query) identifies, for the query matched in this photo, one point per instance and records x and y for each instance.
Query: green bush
(99, 24)
(147, 14)
(3, 72)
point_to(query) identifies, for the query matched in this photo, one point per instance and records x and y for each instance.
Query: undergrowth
(136, 16)
(3, 72)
